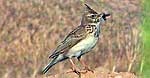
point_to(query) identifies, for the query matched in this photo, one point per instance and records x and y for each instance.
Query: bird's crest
(86, 17)
(88, 9)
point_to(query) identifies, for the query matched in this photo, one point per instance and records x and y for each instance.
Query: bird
(79, 41)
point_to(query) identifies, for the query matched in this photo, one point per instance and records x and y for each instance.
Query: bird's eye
(93, 16)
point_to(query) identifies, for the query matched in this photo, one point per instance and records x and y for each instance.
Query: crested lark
(79, 41)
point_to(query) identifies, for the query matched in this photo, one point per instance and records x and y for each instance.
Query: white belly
(82, 47)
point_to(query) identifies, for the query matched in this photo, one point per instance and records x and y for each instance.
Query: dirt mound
(98, 73)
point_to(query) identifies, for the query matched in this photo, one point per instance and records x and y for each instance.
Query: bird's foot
(88, 69)
(78, 72)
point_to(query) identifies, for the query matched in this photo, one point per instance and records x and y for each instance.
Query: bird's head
(91, 16)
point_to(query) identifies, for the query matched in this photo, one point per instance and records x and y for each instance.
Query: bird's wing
(70, 40)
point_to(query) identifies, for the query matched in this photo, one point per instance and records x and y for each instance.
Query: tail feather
(53, 62)
(47, 68)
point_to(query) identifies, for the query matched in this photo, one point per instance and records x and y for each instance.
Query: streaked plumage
(79, 41)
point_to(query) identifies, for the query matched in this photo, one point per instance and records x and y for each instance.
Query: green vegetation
(145, 65)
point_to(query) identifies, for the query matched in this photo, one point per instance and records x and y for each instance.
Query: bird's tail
(52, 63)
(49, 65)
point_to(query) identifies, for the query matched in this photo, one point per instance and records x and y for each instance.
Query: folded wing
(70, 40)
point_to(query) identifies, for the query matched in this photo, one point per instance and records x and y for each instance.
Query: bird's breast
(83, 46)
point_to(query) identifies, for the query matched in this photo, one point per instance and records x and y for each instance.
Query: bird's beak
(108, 16)
(105, 16)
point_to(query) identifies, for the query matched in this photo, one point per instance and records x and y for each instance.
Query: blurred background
(31, 29)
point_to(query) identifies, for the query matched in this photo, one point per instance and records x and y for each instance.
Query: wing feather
(70, 40)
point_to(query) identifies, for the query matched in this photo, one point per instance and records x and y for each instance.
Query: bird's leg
(75, 69)
(86, 67)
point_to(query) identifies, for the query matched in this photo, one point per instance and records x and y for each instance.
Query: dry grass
(31, 29)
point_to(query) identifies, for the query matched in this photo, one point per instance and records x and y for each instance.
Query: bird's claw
(77, 72)
(88, 69)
